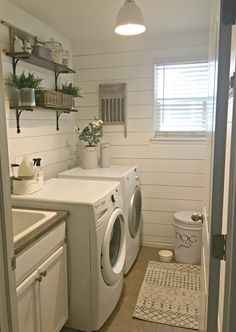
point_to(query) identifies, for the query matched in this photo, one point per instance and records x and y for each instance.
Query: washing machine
(128, 176)
(96, 245)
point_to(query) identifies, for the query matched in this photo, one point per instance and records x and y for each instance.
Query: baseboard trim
(158, 245)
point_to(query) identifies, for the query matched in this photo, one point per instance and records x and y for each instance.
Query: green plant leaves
(25, 81)
(91, 133)
(70, 89)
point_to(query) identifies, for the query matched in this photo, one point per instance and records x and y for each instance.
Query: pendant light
(130, 19)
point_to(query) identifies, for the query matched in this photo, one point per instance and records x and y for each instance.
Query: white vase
(27, 97)
(90, 157)
(105, 155)
(15, 99)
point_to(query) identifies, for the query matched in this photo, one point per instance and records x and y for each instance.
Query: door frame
(224, 48)
(218, 170)
(229, 318)
(8, 303)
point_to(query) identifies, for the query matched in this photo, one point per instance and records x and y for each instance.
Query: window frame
(171, 135)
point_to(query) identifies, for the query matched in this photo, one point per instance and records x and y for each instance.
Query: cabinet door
(53, 291)
(28, 304)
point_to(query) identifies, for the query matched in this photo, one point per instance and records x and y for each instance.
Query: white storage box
(27, 187)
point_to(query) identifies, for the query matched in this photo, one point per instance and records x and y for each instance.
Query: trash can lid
(185, 217)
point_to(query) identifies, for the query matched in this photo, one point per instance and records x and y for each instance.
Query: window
(181, 91)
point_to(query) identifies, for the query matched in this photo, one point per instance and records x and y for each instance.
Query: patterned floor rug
(170, 294)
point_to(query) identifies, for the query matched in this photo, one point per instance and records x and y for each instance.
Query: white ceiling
(85, 21)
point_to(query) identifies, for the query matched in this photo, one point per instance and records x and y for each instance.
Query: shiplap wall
(171, 171)
(38, 137)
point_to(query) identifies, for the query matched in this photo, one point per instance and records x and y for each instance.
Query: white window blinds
(181, 91)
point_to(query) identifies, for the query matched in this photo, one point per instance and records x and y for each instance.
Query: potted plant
(26, 84)
(70, 90)
(91, 136)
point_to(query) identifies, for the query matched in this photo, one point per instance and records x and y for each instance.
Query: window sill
(177, 139)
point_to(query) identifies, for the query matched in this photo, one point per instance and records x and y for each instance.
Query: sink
(25, 221)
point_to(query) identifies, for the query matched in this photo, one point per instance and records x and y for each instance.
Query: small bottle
(13, 174)
(65, 58)
(14, 170)
(18, 45)
(37, 168)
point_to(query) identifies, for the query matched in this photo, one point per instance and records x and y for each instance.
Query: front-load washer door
(135, 209)
(113, 248)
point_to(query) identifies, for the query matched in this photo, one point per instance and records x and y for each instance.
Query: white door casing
(219, 60)
(227, 195)
(229, 319)
(205, 254)
(8, 307)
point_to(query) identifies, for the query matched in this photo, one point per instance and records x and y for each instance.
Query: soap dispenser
(37, 168)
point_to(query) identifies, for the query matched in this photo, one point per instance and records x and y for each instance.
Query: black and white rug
(170, 294)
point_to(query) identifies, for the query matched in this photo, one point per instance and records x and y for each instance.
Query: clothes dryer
(96, 245)
(128, 176)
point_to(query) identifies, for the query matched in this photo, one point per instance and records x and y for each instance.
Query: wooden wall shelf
(40, 62)
(59, 111)
(36, 61)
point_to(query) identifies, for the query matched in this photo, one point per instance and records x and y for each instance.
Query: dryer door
(135, 212)
(113, 248)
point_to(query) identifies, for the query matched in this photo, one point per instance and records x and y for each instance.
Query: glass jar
(57, 50)
(65, 58)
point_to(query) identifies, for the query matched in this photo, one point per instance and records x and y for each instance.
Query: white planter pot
(15, 98)
(27, 97)
(90, 157)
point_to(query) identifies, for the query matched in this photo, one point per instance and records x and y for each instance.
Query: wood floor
(121, 319)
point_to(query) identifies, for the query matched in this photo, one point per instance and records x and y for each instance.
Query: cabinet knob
(43, 274)
(39, 279)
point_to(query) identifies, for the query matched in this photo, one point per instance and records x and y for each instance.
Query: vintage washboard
(112, 104)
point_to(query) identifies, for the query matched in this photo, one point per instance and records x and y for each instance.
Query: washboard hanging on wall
(112, 104)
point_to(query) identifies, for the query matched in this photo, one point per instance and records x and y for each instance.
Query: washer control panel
(108, 203)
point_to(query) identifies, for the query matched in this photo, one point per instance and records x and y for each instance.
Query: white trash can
(188, 238)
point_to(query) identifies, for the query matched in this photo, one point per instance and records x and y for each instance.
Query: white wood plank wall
(171, 171)
(38, 137)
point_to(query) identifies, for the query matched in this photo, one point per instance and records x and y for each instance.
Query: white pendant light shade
(130, 19)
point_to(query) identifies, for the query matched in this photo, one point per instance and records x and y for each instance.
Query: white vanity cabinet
(28, 304)
(42, 296)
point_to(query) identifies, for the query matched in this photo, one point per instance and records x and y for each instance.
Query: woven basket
(66, 101)
(48, 98)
